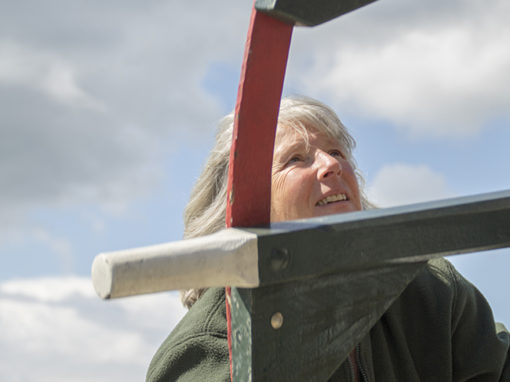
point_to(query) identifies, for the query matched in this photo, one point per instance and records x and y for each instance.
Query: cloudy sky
(107, 111)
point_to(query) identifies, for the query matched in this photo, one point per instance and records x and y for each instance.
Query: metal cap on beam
(228, 257)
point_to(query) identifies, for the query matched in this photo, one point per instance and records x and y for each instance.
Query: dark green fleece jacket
(440, 329)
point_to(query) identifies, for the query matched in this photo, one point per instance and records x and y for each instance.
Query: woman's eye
(294, 159)
(336, 153)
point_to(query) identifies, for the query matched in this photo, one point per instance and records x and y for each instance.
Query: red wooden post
(258, 101)
(256, 115)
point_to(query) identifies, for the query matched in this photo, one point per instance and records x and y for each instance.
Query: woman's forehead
(286, 136)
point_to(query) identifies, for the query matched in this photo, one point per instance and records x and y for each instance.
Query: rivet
(277, 320)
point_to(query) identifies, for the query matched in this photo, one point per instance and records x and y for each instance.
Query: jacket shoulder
(197, 348)
(440, 276)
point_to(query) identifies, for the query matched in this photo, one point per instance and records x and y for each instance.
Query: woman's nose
(328, 165)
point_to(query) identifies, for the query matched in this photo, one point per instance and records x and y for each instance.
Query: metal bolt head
(239, 336)
(277, 320)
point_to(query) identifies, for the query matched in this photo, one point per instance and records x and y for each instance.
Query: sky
(109, 108)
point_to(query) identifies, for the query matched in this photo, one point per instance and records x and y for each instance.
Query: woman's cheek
(277, 190)
(276, 185)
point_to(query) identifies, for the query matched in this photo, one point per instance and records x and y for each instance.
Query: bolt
(277, 320)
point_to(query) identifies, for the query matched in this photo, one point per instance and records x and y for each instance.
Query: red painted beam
(258, 102)
(256, 116)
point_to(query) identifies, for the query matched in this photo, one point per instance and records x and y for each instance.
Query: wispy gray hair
(205, 212)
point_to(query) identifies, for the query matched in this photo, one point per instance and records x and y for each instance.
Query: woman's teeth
(331, 199)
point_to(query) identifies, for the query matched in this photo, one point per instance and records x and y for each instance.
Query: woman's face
(310, 179)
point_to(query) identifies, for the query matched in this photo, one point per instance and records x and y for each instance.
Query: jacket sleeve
(200, 358)
(481, 348)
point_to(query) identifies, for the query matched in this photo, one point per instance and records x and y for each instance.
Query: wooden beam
(256, 115)
(307, 12)
(376, 238)
(301, 249)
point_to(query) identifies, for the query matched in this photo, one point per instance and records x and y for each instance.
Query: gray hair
(205, 212)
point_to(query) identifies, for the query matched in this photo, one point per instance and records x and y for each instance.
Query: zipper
(362, 372)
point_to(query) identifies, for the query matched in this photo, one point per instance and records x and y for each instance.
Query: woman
(439, 329)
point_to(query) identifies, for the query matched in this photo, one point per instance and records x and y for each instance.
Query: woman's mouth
(331, 199)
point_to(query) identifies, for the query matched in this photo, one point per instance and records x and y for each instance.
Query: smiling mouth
(331, 199)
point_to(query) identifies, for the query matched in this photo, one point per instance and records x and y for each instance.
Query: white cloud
(431, 74)
(50, 319)
(44, 71)
(399, 183)
(91, 108)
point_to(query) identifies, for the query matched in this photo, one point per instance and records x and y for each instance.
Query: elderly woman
(439, 329)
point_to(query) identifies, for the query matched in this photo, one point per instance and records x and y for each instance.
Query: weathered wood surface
(330, 279)
(322, 320)
(382, 237)
(256, 115)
